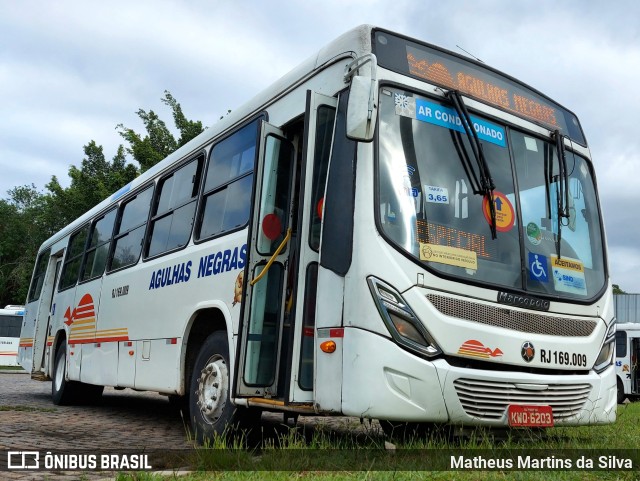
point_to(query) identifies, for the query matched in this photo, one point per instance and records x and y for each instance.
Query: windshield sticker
(405, 106)
(531, 144)
(533, 233)
(436, 195)
(453, 256)
(505, 217)
(446, 117)
(568, 275)
(538, 267)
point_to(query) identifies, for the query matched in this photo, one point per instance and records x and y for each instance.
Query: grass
(324, 452)
(11, 368)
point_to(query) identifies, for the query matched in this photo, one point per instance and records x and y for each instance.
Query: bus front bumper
(391, 383)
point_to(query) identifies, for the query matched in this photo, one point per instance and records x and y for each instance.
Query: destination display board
(455, 72)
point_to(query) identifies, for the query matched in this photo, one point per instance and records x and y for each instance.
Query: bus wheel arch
(60, 342)
(203, 323)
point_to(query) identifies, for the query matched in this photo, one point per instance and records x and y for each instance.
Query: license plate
(530, 416)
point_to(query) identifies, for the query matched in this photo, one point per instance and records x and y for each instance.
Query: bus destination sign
(455, 72)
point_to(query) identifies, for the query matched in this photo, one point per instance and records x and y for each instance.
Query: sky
(70, 71)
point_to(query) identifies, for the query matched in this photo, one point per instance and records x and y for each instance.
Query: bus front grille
(518, 320)
(488, 400)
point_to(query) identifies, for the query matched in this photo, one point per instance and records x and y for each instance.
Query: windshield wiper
(562, 187)
(484, 185)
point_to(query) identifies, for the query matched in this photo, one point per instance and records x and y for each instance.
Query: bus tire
(63, 392)
(210, 409)
(410, 431)
(621, 395)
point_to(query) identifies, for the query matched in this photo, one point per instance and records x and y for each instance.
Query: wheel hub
(212, 389)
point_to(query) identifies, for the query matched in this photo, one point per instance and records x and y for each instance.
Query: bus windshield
(430, 205)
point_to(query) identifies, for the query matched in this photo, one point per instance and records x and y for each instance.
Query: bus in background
(391, 231)
(627, 357)
(10, 326)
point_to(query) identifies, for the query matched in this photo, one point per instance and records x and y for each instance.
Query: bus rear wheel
(64, 392)
(211, 411)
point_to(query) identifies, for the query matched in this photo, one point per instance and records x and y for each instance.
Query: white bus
(391, 231)
(627, 357)
(10, 326)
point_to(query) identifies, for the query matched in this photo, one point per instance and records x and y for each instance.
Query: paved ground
(123, 420)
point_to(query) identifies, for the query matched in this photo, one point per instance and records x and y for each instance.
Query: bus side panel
(100, 363)
(327, 383)
(10, 324)
(126, 372)
(99, 346)
(63, 307)
(150, 305)
(9, 351)
(25, 341)
(161, 374)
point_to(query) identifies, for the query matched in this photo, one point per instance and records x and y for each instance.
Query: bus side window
(98, 247)
(38, 276)
(226, 202)
(73, 259)
(324, 136)
(175, 208)
(130, 232)
(621, 344)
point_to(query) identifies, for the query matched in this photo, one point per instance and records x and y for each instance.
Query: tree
(94, 181)
(23, 227)
(29, 217)
(159, 142)
(617, 290)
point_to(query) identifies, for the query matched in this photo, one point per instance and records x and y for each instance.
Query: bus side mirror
(362, 109)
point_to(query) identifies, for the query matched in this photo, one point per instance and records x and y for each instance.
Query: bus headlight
(605, 358)
(403, 325)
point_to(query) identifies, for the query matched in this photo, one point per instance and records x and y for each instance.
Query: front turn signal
(328, 346)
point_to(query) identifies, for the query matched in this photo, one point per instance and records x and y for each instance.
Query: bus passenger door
(45, 312)
(634, 367)
(318, 139)
(260, 336)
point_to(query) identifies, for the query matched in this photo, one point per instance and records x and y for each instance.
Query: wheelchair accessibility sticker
(538, 268)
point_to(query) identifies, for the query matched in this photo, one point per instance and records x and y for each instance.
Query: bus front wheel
(210, 408)
(621, 395)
